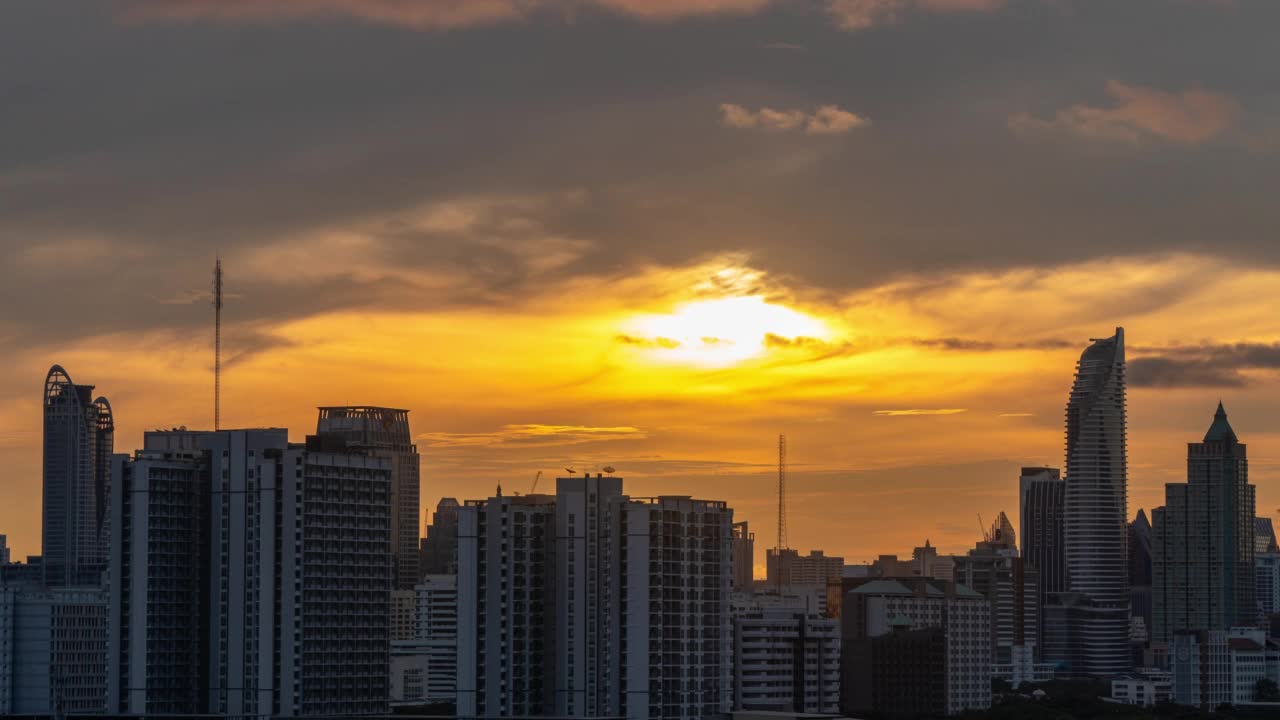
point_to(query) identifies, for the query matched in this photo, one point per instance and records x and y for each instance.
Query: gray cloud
(1227, 365)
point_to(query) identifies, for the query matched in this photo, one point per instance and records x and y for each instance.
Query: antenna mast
(782, 492)
(217, 344)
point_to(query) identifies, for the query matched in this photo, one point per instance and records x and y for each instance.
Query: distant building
(785, 660)
(1140, 574)
(788, 567)
(4, 550)
(404, 606)
(254, 577)
(994, 570)
(880, 607)
(384, 433)
(440, 546)
(1266, 566)
(1095, 524)
(744, 557)
(593, 603)
(1203, 540)
(1041, 493)
(78, 437)
(53, 651)
(899, 673)
(424, 668)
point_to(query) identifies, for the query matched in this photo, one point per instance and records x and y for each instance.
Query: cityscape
(639, 359)
(234, 573)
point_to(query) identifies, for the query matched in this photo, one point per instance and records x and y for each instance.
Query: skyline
(544, 262)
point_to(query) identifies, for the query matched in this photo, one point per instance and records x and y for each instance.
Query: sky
(653, 235)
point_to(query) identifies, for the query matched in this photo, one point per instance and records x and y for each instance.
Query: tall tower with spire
(1202, 540)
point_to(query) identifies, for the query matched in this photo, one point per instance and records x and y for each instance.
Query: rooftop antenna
(217, 343)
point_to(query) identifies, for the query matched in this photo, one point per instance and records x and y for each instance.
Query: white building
(874, 608)
(53, 650)
(1144, 687)
(1212, 668)
(786, 660)
(1267, 577)
(593, 603)
(253, 577)
(404, 604)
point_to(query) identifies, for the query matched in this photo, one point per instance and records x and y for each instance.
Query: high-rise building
(993, 570)
(1095, 523)
(786, 660)
(440, 546)
(591, 603)
(254, 577)
(384, 432)
(1203, 540)
(424, 669)
(78, 432)
(53, 650)
(4, 550)
(788, 567)
(877, 608)
(744, 557)
(1041, 507)
(1140, 603)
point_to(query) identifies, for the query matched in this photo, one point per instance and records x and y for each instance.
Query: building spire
(1220, 430)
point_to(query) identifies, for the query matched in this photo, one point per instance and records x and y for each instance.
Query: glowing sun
(721, 332)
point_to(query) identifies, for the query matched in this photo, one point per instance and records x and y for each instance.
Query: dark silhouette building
(1203, 540)
(1140, 572)
(78, 439)
(440, 546)
(902, 673)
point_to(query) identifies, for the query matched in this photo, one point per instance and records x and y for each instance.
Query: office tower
(1266, 568)
(1140, 603)
(440, 546)
(786, 660)
(1095, 524)
(1041, 495)
(403, 611)
(4, 550)
(53, 650)
(877, 608)
(993, 570)
(592, 603)
(744, 557)
(254, 577)
(384, 432)
(788, 567)
(78, 433)
(902, 673)
(1203, 540)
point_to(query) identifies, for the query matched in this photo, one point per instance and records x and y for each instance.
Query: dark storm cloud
(132, 152)
(1202, 365)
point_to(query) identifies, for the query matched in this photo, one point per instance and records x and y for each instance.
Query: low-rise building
(1144, 687)
(1221, 667)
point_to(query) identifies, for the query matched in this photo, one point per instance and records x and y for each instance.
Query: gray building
(78, 437)
(254, 577)
(4, 550)
(1041, 507)
(440, 546)
(53, 650)
(384, 433)
(994, 570)
(593, 603)
(744, 557)
(785, 660)
(1203, 575)
(1095, 521)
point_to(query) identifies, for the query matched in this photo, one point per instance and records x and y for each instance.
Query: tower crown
(1220, 430)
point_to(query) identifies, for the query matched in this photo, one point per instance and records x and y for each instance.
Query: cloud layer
(1137, 113)
(824, 120)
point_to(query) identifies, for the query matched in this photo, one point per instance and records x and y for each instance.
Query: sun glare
(721, 332)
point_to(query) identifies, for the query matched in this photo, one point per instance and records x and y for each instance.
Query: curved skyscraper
(1095, 524)
(77, 449)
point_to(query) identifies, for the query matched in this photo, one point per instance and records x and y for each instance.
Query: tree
(1266, 690)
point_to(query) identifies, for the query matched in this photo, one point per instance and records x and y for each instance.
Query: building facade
(254, 577)
(1042, 496)
(1141, 609)
(994, 570)
(788, 567)
(53, 650)
(1095, 520)
(786, 660)
(879, 607)
(593, 603)
(78, 437)
(384, 433)
(1211, 668)
(744, 557)
(1203, 575)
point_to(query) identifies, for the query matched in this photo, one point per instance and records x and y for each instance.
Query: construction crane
(536, 478)
(782, 508)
